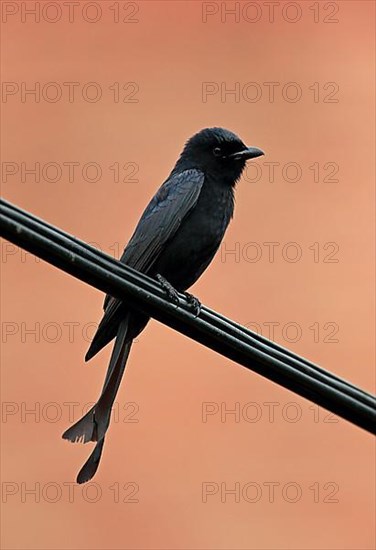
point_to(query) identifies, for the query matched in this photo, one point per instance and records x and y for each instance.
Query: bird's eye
(217, 151)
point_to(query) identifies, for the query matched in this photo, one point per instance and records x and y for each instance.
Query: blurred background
(98, 99)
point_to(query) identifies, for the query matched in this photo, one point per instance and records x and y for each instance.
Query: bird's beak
(246, 154)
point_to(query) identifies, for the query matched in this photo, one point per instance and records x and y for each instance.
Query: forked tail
(93, 426)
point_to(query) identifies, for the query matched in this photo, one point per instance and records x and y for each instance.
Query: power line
(223, 335)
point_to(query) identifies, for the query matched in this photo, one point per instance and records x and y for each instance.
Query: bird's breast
(195, 243)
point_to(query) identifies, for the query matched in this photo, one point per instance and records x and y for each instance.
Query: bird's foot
(194, 303)
(173, 295)
(171, 292)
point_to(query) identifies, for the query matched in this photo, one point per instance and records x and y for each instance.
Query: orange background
(170, 452)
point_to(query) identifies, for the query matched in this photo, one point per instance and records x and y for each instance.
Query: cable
(211, 329)
(238, 330)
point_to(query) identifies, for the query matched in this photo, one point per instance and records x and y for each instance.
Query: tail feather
(93, 426)
(103, 407)
(108, 327)
(83, 430)
(101, 339)
(90, 467)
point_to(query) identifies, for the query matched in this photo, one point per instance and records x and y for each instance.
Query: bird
(174, 241)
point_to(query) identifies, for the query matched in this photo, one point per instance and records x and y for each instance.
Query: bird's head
(219, 152)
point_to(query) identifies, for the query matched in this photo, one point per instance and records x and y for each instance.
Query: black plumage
(176, 238)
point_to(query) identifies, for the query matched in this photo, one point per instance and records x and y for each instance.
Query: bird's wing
(161, 219)
(158, 224)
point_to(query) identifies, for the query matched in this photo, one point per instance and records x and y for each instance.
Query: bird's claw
(173, 295)
(194, 303)
(171, 292)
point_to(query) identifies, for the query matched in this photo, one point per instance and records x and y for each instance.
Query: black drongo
(175, 240)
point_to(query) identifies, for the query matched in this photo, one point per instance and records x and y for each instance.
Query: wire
(239, 330)
(211, 329)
